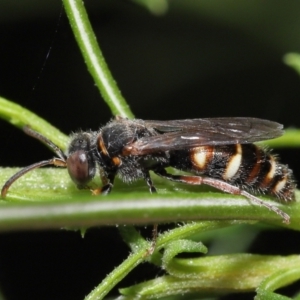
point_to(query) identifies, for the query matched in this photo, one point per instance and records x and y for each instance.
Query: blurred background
(177, 59)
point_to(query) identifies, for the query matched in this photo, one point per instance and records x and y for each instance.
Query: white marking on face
(233, 164)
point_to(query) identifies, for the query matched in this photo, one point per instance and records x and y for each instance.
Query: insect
(218, 151)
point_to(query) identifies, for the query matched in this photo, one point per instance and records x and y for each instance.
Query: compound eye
(78, 167)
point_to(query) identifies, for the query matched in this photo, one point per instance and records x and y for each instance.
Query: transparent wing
(189, 133)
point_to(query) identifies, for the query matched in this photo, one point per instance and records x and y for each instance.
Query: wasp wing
(189, 133)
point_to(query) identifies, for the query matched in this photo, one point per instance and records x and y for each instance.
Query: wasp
(219, 152)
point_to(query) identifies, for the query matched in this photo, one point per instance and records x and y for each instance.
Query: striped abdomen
(245, 165)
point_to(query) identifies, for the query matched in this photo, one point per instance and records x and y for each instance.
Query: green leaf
(141, 253)
(218, 275)
(275, 281)
(176, 247)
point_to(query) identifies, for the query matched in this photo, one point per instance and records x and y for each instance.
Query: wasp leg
(152, 190)
(149, 182)
(108, 183)
(223, 186)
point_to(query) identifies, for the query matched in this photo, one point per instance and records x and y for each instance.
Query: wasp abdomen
(245, 165)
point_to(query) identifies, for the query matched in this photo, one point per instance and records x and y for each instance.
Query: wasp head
(80, 160)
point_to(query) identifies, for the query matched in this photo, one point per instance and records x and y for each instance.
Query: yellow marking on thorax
(102, 146)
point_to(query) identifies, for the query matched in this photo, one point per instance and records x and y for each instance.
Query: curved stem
(94, 59)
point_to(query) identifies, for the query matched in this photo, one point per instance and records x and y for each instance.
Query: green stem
(94, 59)
(291, 138)
(141, 254)
(138, 255)
(20, 116)
(115, 209)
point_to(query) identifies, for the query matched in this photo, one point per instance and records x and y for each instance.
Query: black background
(198, 60)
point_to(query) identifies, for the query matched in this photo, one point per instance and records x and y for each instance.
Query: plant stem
(94, 59)
(140, 255)
(20, 116)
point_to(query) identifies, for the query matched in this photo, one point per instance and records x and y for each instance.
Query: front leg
(108, 183)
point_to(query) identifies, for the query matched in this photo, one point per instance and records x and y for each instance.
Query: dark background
(199, 59)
